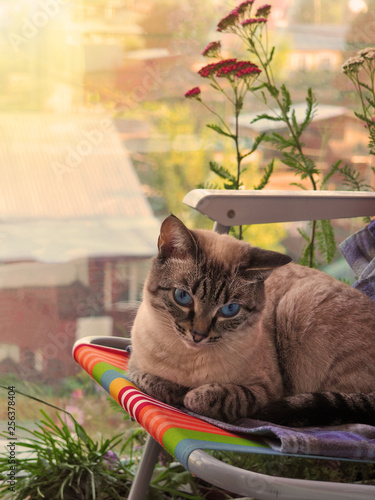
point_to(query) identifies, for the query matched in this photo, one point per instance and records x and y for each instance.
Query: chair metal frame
(231, 208)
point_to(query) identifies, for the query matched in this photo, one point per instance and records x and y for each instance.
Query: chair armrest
(235, 208)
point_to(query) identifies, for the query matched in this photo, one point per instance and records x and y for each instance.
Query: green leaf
(258, 87)
(310, 110)
(303, 165)
(286, 99)
(267, 175)
(81, 433)
(219, 130)
(294, 163)
(264, 97)
(231, 185)
(221, 171)
(272, 52)
(304, 235)
(333, 169)
(353, 179)
(93, 489)
(255, 146)
(361, 116)
(297, 184)
(325, 240)
(214, 86)
(207, 185)
(280, 141)
(365, 86)
(265, 116)
(294, 123)
(305, 255)
(272, 90)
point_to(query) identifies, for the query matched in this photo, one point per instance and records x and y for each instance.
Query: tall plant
(233, 79)
(360, 69)
(257, 77)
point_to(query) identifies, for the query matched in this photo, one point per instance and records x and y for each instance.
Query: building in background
(76, 230)
(76, 236)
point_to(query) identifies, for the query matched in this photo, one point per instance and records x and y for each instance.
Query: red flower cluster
(211, 69)
(250, 70)
(229, 67)
(212, 49)
(241, 9)
(193, 93)
(254, 20)
(263, 11)
(233, 19)
(228, 21)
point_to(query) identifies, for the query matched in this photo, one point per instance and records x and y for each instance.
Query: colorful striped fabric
(176, 431)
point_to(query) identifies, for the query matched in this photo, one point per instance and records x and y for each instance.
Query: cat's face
(208, 287)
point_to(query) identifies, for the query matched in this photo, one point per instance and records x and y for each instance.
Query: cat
(232, 331)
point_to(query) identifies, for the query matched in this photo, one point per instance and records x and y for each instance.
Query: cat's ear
(262, 262)
(175, 239)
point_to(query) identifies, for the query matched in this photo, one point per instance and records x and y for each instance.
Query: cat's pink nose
(198, 336)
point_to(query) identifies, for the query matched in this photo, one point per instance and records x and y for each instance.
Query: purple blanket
(353, 441)
(359, 251)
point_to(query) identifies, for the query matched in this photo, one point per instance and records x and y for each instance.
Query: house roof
(314, 37)
(68, 189)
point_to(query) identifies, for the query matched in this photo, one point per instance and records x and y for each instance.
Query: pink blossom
(110, 459)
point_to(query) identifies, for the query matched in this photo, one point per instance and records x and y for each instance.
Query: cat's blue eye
(182, 297)
(229, 310)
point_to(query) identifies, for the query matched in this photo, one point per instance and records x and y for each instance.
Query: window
(98, 144)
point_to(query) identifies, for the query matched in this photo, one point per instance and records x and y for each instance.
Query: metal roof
(314, 37)
(68, 189)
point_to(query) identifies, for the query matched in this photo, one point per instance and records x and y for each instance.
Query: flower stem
(262, 55)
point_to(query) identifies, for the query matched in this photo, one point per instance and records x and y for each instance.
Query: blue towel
(359, 251)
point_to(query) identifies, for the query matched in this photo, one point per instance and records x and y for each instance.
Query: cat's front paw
(213, 401)
(159, 388)
(225, 402)
(204, 400)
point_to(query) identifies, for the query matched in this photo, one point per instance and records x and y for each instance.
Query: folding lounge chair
(187, 438)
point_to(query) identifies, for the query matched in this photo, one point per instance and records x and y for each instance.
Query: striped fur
(232, 331)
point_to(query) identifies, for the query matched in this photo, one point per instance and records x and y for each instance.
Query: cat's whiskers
(164, 319)
(227, 345)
